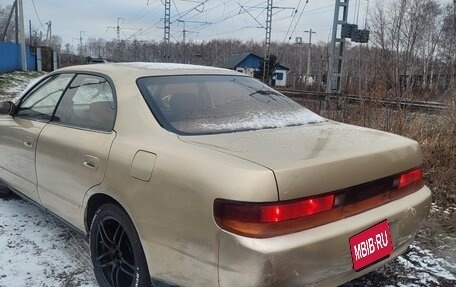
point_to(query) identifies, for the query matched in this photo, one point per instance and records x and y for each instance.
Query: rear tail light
(407, 183)
(271, 219)
(263, 220)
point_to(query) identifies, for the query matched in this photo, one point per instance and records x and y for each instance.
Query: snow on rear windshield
(205, 104)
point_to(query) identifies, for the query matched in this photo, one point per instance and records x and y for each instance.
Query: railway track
(403, 104)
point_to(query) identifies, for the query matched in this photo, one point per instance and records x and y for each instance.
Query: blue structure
(10, 58)
(248, 63)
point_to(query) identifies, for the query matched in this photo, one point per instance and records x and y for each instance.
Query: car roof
(143, 69)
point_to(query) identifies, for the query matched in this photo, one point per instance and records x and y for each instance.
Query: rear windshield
(207, 104)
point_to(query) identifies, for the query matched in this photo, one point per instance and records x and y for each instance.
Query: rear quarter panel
(173, 211)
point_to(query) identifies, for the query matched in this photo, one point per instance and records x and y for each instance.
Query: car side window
(88, 103)
(41, 102)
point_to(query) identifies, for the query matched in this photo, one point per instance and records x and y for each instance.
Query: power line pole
(184, 34)
(21, 32)
(80, 37)
(167, 29)
(49, 32)
(80, 43)
(30, 33)
(13, 8)
(298, 42)
(16, 15)
(268, 38)
(337, 51)
(118, 28)
(308, 54)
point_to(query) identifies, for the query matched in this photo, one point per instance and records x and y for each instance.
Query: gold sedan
(198, 176)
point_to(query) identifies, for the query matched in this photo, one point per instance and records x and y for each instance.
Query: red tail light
(407, 183)
(269, 219)
(287, 211)
(264, 220)
(410, 177)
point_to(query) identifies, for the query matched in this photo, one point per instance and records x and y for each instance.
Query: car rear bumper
(319, 256)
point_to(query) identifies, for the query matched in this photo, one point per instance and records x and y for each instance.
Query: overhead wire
(38, 16)
(292, 20)
(299, 19)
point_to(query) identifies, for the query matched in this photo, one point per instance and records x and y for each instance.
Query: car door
(19, 134)
(73, 148)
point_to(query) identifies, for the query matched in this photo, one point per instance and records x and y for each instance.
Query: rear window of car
(207, 104)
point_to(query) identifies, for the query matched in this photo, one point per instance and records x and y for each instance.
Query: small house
(249, 63)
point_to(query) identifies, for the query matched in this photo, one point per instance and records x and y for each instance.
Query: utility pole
(267, 42)
(337, 48)
(80, 42)
(13, 8)
(184, 36)
(184, 33)
(16, 15)
(30, 33)
(118, 28)
(21, 33)
(167, 29)
(308, 54)
(49, 33)
(298, 42)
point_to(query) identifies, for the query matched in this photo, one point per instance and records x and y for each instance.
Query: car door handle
(91, 162)
(28, 141)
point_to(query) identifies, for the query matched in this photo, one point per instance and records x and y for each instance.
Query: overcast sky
(205, 20)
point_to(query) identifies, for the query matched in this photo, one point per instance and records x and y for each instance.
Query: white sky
(225, 18)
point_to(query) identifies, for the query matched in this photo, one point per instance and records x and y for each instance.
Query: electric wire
(37, 16)
(292, 19)
(299, 19)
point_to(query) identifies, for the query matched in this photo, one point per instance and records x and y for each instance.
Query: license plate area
(371, 245)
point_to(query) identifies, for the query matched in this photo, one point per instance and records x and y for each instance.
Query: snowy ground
(36, 250)
(12, 84)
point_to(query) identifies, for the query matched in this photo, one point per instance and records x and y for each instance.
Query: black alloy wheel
(116, 251)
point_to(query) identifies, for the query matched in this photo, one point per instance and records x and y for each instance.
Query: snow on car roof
(168, 66)
(138, 69)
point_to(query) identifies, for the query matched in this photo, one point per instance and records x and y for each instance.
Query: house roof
(235, 59)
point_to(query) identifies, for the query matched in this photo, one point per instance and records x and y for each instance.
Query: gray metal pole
(30, 33)
(268, 38)
(13, 8)
(50, 33)
(17, 22)
(20, 25)
(167, 31)
(332, 50)
(336, 60)
(308, 54)
(118, 29)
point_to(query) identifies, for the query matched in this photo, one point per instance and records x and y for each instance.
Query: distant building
(249, 63)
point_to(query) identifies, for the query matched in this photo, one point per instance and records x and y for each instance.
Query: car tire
(116, 251)
(4, 191)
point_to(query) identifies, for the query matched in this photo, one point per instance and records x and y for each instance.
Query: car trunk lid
(318, 158)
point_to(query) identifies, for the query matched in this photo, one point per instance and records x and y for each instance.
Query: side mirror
(7, 108)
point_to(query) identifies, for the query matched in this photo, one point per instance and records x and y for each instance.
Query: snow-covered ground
(36, 250)
(13, 84)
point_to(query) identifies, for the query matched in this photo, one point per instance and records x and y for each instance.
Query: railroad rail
(404, 104)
